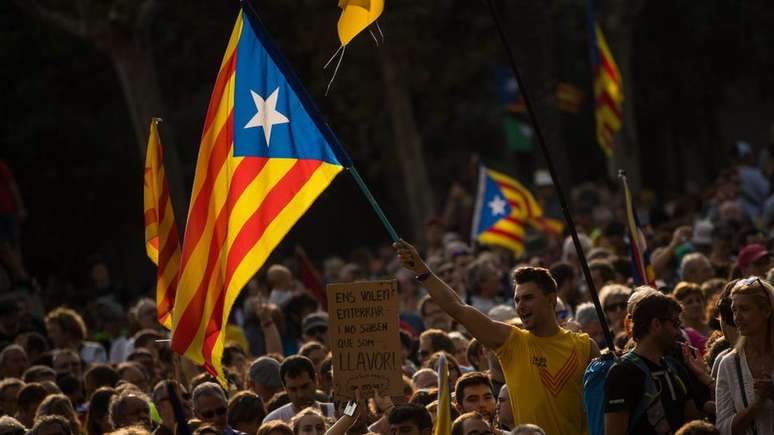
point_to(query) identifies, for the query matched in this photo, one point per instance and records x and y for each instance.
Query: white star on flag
(497, 205)
(267, 114)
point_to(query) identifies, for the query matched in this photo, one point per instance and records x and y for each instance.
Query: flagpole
(552, 170)
(314, 113)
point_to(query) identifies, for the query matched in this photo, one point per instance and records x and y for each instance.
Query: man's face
(317, 357)
(436, 318)
(504, 410)
(300, 390)
(318, 333)
(670, 332)
(425, 348)
(479, 398)
(212, 409)
(167, 412)
(56, 334)
(68, 363)
(135, 412)
(532, 306)
(476, 426)
(14, 363)
(700, 270)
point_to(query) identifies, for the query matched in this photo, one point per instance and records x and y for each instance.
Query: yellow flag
(443, 421)
(356, 16)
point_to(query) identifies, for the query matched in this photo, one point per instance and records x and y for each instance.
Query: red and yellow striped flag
(161, 240)
(608, 91)
(264, 158)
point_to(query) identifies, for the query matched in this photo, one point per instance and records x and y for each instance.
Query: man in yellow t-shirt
(543, 363)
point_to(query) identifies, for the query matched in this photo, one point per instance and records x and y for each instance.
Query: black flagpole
(552, 169)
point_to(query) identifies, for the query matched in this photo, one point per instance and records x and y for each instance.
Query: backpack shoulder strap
(651, 392)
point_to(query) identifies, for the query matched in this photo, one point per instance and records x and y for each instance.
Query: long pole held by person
(552, 170)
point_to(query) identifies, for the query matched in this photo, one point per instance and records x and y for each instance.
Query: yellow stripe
(274, 233)
(519, 193)
(226, 103)
(496, 239)
(246, 205)
(510, 227)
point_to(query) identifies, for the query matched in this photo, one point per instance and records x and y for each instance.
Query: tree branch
(64, 22)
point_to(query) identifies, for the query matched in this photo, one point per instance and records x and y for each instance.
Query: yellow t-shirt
(545, 379)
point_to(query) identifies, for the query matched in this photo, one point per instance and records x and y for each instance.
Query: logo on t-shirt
(555, 383)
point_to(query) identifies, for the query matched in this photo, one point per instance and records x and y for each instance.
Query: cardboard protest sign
(364, 338)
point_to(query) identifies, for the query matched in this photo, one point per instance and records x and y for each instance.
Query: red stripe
(514, 220)
(150, 217)
(169, 298)
(518, 191)
(219, 89)
(169, 248)
(248, 169)
(197, 218)
(161, 176)
(503, 233)
(606, 63)
(604, 99)
(251, 232)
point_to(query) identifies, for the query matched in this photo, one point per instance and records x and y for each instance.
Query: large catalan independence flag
(162, 243)
(265, 156)
(608, 88)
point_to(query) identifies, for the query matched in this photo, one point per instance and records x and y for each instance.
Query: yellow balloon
(356, 16)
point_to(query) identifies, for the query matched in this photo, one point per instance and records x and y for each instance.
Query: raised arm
(490, 333)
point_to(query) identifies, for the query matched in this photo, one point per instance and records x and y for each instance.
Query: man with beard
(647, 392)
(542, 358)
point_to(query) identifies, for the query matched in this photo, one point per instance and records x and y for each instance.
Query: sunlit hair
(295, 422)
(763, 292)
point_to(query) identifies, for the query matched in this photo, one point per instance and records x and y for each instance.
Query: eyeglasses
(210, 414)
(619, 306)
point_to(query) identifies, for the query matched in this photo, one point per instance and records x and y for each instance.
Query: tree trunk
(408, 144)
(137, 74)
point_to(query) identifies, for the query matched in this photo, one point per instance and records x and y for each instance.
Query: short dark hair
(245, 406)
(38, 373)
(230, 351)
(562, 272)
(31, 394)
(456, 428)
(652, 306)
(468, 380)
(310, 347)
(439, 341)
(539, 275)
(103, 375)
(296, 365)
(414, 413)
(474, 348)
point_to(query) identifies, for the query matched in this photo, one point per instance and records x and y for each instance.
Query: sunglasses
(620, 306)
(563, 314)
(210, 414)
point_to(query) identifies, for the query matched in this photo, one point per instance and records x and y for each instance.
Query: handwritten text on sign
(365, 338)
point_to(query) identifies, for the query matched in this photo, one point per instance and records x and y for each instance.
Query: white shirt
(287, 412)
(728, 396)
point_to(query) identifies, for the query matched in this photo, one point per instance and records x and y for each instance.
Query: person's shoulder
(278, 414)
(624, 369)
(727, 360)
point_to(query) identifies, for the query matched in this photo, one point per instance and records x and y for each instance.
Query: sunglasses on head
(617, 306)
(210, 414)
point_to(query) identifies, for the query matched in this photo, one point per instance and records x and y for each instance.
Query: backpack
(595, 379)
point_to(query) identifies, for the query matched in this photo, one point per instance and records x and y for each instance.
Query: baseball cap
(315, 320)
(750, 254)
(266, 371)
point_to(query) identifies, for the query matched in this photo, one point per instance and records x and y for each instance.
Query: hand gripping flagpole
(314, 113)
(552, 169)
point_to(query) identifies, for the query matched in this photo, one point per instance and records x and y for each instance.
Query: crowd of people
(690, 353)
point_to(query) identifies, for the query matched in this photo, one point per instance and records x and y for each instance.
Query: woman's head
(58, 404)
(308, 422)
(691, 298)
(752, 303)
(65, 327)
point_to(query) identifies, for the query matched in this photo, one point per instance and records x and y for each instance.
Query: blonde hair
(763, 292)
(296, 420)
(611, 290)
